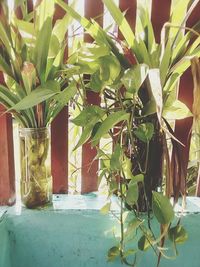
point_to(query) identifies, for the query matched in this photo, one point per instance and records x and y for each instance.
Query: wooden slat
(183, 127)
(89, 168)
(59, 141)
(129, 6)
(59, 152)
(159, 15)
(183, 131)
(7, 168)
(192, 20)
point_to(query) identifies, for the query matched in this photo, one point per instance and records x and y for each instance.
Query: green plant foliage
(40, 94)
(144, 243)
(132, 193)
(89, 113)
(134, 78)
(108, 124)
(116, 158)
(176, 110)
(137, 80)
(178, 234)
(121, 21)
(162, 208)
(133, 225)
(127, 168)
(33, 68)
(106, 208)
(145, 131)
(113, 253)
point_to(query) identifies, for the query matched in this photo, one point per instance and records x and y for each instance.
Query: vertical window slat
(7, 169)
(59, 142)
(89, 183)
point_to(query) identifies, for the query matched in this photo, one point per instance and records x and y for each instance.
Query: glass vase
(36, 179)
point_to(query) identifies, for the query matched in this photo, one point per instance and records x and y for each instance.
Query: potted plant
(137, 80)
(32, 61)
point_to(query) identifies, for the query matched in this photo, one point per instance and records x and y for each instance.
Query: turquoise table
(74, 234)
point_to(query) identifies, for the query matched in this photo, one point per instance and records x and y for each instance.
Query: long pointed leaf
(37, 96)
(108, 124)
(121, 21)
(42, 48)
(93, 29)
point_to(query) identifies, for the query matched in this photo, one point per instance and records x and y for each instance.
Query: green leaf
(164, 62)
(95, 128)
(25, 27)
(143, 243)
(127, 168)
(162, 208)
(44, 12)
(145, 131)
(179, 10)
(132, 227)
(86, 134)
(4, 67)
(65, 95)
(59, 101)
(92, 28)
(54, 48)
(178, 234)
(134, 77)
(141, 52)
(156, 90)
(176, 110)
(121, 21)
(106, 208)
(91, 52)
(109, 68)
(113, 186)
(60, 28)
(138, 178)
(144, 27)
(28, 76)
(113, 253)
(115, 161)
(42, 48)
(89, 113)
(96, 84)
(129, 252)
(8, 98)
(149, 108)
(132, 193)
(108, 124)
(38, 95)
(5, 38)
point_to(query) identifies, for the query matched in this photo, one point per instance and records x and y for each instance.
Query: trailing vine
(137, 80)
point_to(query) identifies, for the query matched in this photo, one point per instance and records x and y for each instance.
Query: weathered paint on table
(75, 234)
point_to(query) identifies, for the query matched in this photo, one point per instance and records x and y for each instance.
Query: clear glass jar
(36, 179)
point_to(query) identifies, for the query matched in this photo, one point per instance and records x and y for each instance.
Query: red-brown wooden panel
(7, 169)
(183, 127)
(59, 141)
(59, 152)
(192, 20)
(89, 168)
(130, 7)
(159, 15)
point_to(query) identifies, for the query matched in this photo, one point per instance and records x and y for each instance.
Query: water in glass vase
(36, 179)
